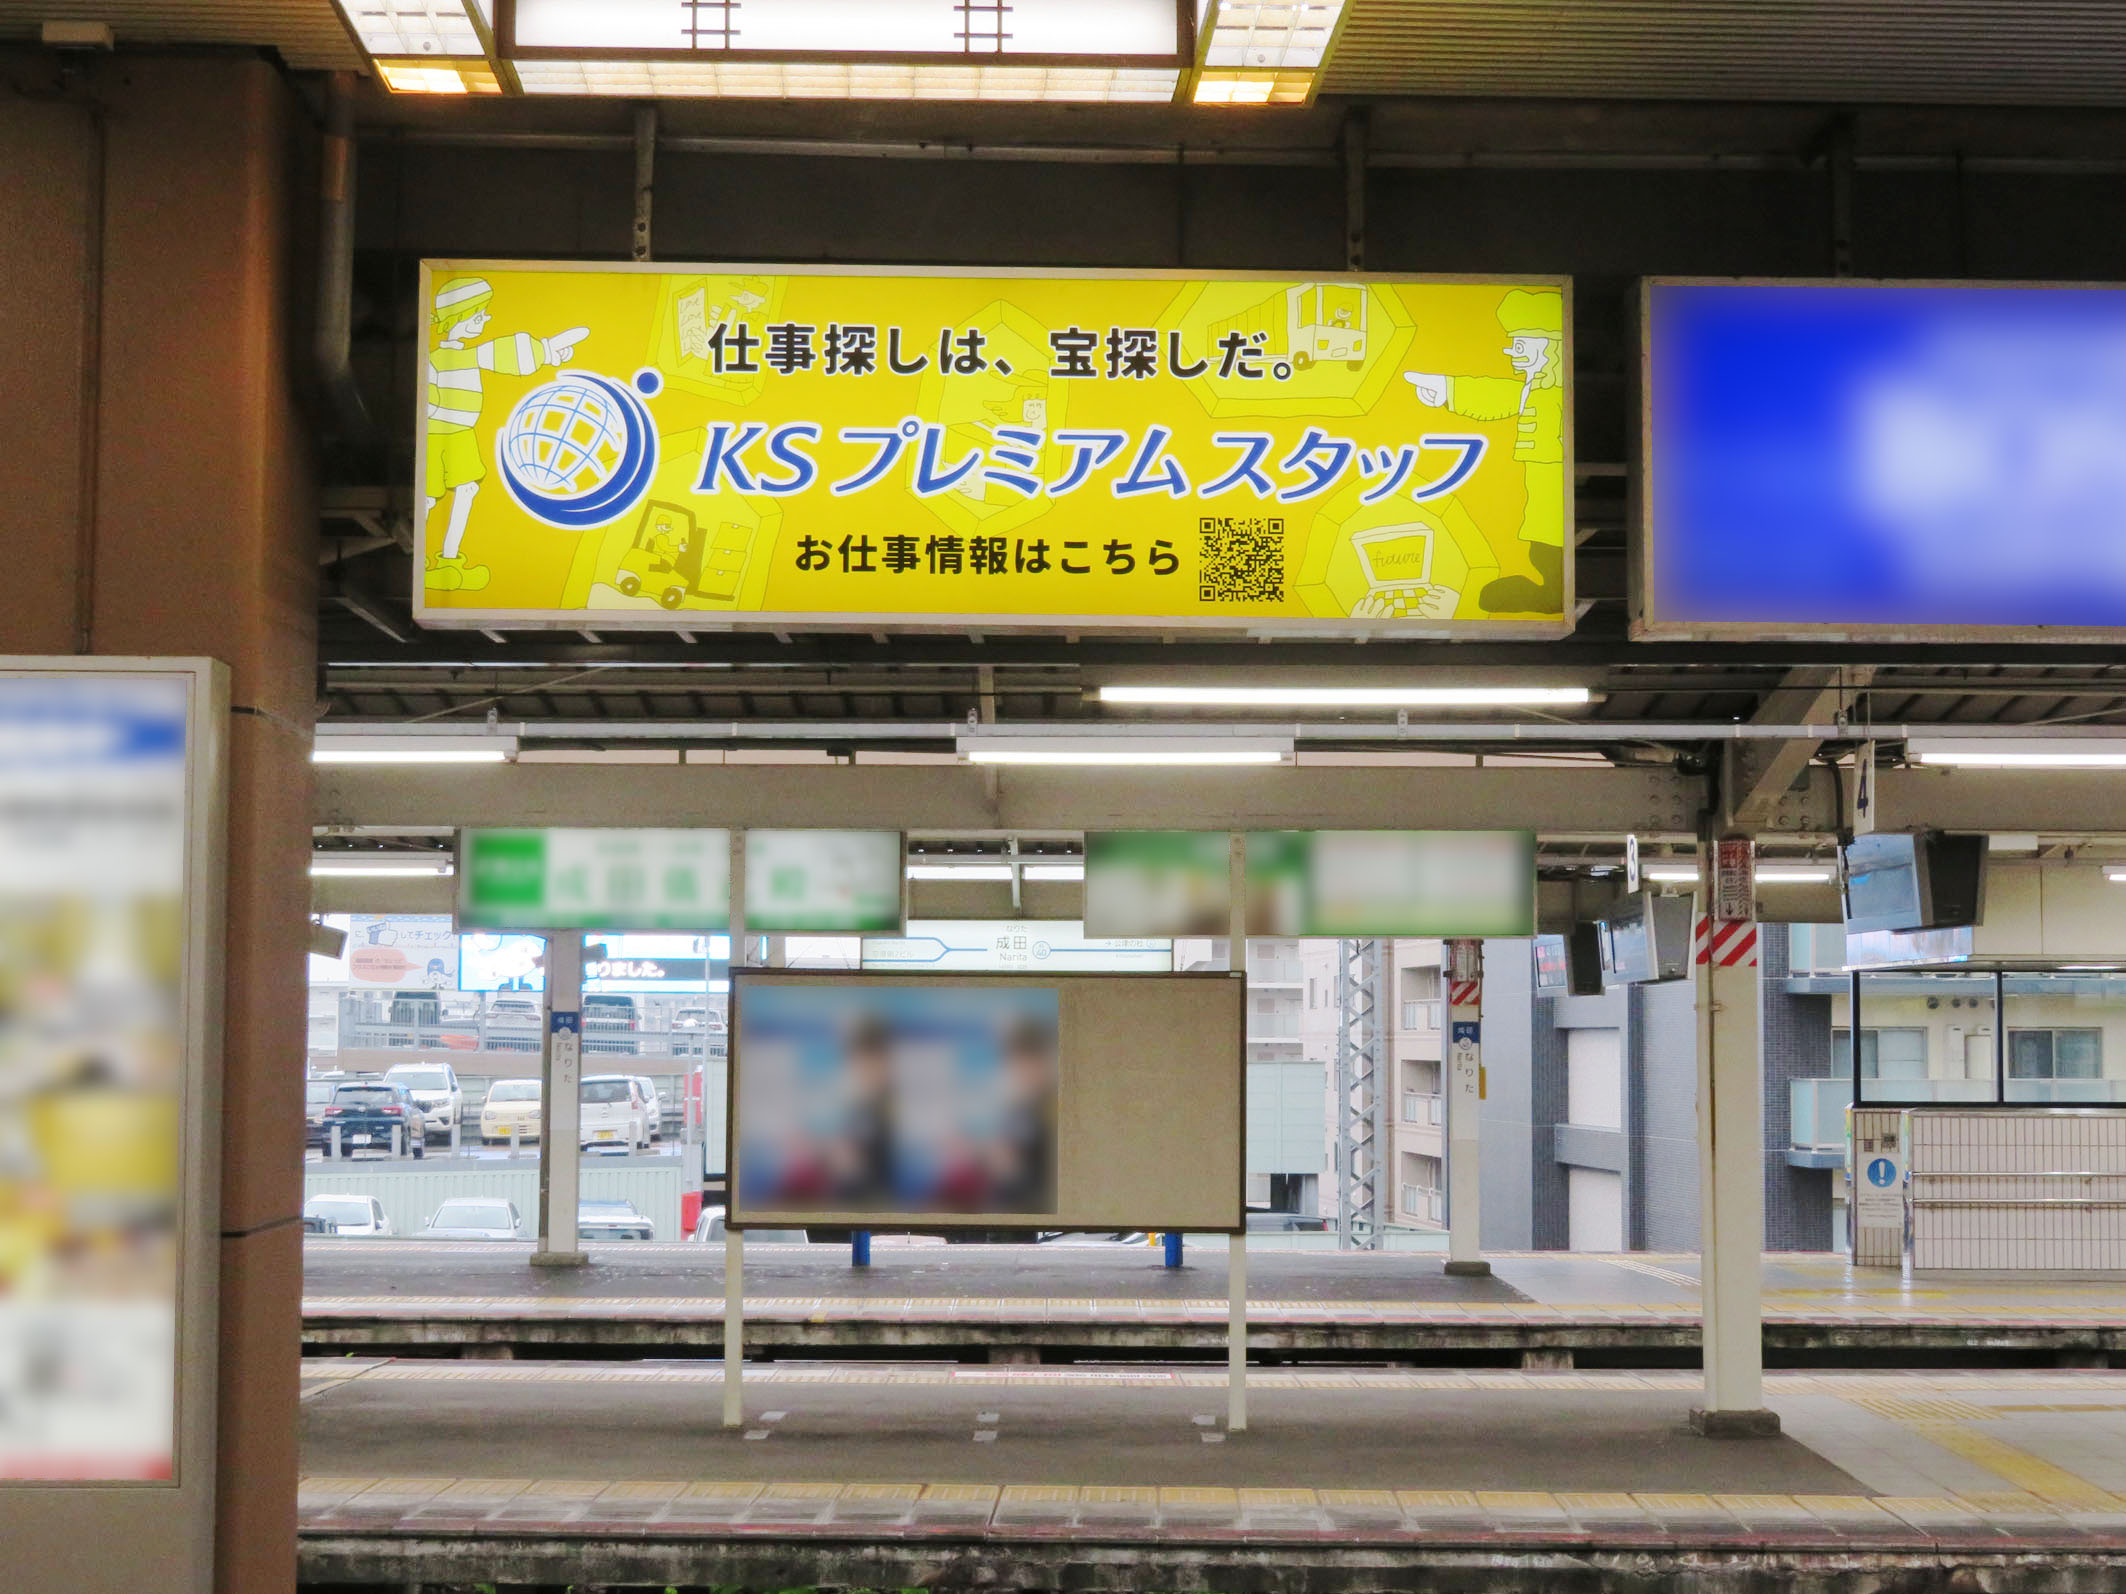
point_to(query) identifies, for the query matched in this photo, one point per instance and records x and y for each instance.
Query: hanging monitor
(1646, 940)
(1917, 880)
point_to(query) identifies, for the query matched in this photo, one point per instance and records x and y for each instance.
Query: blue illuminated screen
(1881, 455)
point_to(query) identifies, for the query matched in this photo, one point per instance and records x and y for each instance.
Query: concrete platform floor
(424, 1468)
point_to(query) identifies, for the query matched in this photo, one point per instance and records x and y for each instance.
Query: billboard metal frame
(1294, 627)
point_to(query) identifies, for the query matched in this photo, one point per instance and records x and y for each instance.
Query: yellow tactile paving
(1435, 1499)
(1582, 1500)
(720, 1491)
(904, 1492)
(1262, 1498)
(2051, 1483)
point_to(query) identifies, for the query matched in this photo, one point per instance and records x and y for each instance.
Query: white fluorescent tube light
(422, 755)
(1121, 756)
(1054, 871)
(356, 747)
(1772, 875)
(2022, 753)
(1350, 696)
(2116, 876)
(382, 869)
(959, 871)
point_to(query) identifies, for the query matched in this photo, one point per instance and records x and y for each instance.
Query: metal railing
(361, 1028)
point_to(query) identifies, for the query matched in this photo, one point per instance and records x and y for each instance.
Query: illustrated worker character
(454, 463)
(1534, 324)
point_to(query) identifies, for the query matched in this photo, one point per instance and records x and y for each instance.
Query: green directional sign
(594, 879)
(816, 882)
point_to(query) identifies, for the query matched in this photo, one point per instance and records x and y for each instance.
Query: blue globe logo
(578, 451)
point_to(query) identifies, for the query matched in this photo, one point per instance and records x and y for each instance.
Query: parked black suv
(366, 1113)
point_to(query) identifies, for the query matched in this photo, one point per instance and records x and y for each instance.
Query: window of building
(2055, 1054)
(1884, 1053)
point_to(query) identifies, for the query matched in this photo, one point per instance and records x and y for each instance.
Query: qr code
(1240, 560)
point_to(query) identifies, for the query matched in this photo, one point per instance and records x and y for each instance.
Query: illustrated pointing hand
(1431, 387)
(561, 347)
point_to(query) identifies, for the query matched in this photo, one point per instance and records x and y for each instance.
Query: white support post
(1236, 1335)
(734, 1242)
(1236, 1253)
(1731, 1152)
(734, 1328)
(1465, 1106)
(560, 1110)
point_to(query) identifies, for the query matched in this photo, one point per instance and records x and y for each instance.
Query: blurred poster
(495, 961)
(897, 1099)
(93, 830)
(401, 951)
(1883, 459)
(1014, 946)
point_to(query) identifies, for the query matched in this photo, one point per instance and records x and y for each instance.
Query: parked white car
(475, 1218)
(435, 1090)
(511, 1105)
(358, 1217)
(612, 1112)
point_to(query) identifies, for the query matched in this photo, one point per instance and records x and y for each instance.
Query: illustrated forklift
(673, 559)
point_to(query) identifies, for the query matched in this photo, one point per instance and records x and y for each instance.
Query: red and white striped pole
(1465, 1097)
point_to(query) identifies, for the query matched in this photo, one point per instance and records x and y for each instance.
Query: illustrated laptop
(1397, 562)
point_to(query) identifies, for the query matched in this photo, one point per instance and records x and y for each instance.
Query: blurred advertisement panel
(93, 837)
(817, 881)
(1883, 459)
(1313, 883)
(897, 1099)
(1014, 946)
(1158, 883)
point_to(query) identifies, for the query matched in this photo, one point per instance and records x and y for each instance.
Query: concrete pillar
(164, 504)
(561, 1106)
(1731, 1174)
(1465, 1106)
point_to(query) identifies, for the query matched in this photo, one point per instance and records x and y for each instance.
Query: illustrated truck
(1315, 321)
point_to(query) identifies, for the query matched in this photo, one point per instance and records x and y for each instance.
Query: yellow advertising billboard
(665, 446)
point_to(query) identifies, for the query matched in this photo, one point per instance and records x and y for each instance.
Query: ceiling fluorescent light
(1121, 752)
(349, 747)
(1350, 696)
(354, 866)
(1775, 874)
(2116, 876)
(409, 755)
(1053, 871)
(2021, 753)
(959, 871)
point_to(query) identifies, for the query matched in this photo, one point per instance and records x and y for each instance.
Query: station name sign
(741, 446)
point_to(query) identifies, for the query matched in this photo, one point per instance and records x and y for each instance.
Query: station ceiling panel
(1973, 52)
